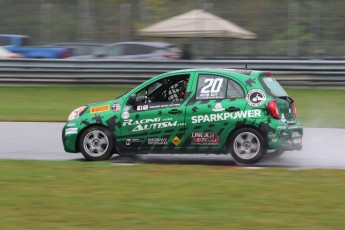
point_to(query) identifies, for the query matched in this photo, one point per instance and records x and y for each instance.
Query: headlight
(76, 113)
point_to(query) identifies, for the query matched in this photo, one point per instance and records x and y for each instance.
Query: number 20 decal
(212, 85)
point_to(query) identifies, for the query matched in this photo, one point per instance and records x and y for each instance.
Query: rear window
(273, 87)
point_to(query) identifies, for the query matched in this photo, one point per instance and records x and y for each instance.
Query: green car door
(157, 122)
(215, 109)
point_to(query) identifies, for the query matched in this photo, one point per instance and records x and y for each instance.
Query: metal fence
(288, 72)
(285, 28)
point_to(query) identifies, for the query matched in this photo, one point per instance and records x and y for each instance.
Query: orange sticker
(100, 109)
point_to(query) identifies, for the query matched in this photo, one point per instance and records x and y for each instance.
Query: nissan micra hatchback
(242, 112)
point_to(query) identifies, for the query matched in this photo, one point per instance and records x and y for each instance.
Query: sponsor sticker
(176, 141)
(133, 142)
(157, 141)
(128, 142)
(204, 138)
(255, 113)
(100, 109)
(255, 97)
(116, 107)
(295, 134)
(218, 108)
(142, 107)
(125, 114)
(71, 131)
(71, 124)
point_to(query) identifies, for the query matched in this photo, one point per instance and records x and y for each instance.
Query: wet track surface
(323, 148)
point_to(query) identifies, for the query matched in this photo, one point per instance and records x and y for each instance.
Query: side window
(115, 50)
(234, 90)
(170, 89)
(134, 49)
(211, 87)
(4, 41)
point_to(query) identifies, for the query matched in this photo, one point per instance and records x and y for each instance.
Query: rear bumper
(286, 137)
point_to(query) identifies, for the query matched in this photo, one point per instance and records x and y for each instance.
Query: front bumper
(69, 138)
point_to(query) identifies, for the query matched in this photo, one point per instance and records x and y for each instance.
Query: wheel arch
(90, 126)
(226, 146)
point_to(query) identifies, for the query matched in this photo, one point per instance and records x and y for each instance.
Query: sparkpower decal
(255, 113)
(255, 97)
(154, 123)
(100, 109)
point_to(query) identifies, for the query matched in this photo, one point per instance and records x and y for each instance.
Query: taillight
(294, 109)
(273, 108)
(170, 56)
(65, 54)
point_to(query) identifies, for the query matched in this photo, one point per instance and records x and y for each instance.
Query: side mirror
(132, 100)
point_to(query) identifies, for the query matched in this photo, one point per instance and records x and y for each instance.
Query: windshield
(273, 87)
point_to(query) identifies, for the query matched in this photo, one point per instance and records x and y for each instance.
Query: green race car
(238, 111)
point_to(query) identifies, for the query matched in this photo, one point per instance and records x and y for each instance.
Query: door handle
(232, 109)
(175, 111)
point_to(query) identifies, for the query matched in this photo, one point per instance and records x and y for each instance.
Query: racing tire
(247, 146)
(96, 143)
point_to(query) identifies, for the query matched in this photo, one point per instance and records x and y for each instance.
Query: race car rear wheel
(96, 143)
(247, 146)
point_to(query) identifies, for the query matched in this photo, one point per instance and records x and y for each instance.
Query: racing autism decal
(255, 97)
(151, 123)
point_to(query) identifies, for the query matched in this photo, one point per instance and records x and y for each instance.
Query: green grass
(83, 195)
(50, 103)
(316, 107)
(320, 107)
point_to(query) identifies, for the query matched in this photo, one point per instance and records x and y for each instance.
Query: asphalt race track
(323, 148)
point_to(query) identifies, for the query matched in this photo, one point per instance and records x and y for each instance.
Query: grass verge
(316, 107)
(83, 195)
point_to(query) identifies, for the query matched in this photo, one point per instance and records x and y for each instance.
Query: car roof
(155, 44)
(248, 72)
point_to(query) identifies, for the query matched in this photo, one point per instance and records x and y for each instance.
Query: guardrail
(38, 71)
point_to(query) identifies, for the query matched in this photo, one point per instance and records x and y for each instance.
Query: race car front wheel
(96, 143)
(247, 146)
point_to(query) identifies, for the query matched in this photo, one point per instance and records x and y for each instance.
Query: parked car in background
(80, 48)
(135, 50)
(4, 53)
(20, 44)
